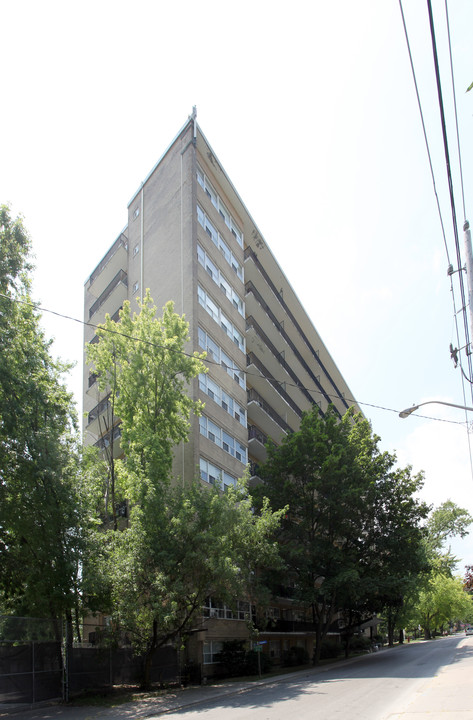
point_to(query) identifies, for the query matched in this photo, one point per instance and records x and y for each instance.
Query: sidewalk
(145, 707)
(170, 700)
(148, 707)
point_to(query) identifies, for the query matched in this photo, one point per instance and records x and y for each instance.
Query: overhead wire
(463, 377)
(208, 361)
(456, 114)
(469, 377)
(451, 191)
(424, 130)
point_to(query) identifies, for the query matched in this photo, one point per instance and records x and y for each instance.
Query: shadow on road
(418, 660)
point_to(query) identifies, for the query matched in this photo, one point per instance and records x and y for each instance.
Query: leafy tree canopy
(40, 526)
(351, 537)
(180, 543)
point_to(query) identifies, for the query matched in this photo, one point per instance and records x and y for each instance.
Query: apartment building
(190, 239)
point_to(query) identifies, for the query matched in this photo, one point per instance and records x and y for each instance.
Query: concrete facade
(190, 239)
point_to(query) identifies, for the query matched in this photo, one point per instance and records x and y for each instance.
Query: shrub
(251, 662)
(360, 643)
(236, 661)
(295, 656)
(232, 658)
(329, 649)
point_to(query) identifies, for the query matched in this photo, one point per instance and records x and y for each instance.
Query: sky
(311, 108)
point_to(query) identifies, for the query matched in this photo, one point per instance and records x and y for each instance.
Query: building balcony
(113, 296)
(301, 338)
(254, 473)
(261, 412)
(285, 626)
(99, 419)
(111, 440)
(273, 391)
(278, 367)
(115, 260)
(256, 444)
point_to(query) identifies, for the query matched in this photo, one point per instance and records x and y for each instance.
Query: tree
(141, 361)
(441, 601)
(437, 588)
(392, 552)
(468, 579)
(40, 510)
(351, 537)
(446, 521)
(180, 544)
(313, 473)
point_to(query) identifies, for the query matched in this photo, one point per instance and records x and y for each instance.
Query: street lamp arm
(409, 411)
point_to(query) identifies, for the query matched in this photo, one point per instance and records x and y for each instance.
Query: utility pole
(469, 271)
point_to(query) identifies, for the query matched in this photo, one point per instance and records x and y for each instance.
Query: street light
(409, 411)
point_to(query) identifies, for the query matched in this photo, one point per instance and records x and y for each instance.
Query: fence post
(33, 677)
(65, 675)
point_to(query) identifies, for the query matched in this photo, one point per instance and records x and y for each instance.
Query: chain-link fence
(47, 660)
(31, 660)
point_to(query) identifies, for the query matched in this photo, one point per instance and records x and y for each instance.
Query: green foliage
(233, 658)
(254, 661)
(141, 360)
(360, 643)
(236, 661)
(180, 544)
(351, 538)
(295, 656)
(441, 601)
(180, 547)
(329, 649)
(436, 598)
(446, 521)
(40, 506)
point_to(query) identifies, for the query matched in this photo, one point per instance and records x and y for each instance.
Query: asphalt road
(417, 681)
(424, 680)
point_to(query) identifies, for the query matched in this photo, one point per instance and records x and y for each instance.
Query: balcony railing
(121, 241)
(99, 409)
(254, 469)
(120, 277)
(251, 359)
(285, 626)
(254, 396)
(250, 253)
(255, 434)
(106, 440)
(251, 323)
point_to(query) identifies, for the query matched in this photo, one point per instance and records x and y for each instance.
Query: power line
(217, 364)
(424, 131)
(456, 115)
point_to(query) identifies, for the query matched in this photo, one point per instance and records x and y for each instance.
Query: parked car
(469, 631)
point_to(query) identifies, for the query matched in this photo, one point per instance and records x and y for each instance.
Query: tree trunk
(148, 658)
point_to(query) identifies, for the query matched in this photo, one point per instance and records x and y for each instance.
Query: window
(218, 204)
(214, 391)
(212, 650)
(215, 312)
(136, 286)
(136, 213)
(223, 439)
(136, 249)
(216, 476)
(215, 608)
(217, 355)
(219, 242)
